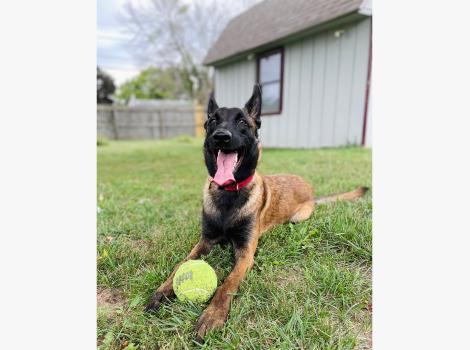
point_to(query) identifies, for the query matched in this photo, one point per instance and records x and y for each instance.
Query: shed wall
(324, 89)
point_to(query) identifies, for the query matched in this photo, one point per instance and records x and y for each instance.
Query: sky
(113, 49)
(113, 53)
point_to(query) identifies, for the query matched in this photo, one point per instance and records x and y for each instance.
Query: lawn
(310, 287)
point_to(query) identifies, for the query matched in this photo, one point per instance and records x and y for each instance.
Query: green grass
(311, 282)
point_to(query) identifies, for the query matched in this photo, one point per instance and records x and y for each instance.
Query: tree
(104, 87)
(174, 33)
(154, 83)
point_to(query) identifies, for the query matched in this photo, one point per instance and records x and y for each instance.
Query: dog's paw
(155, 302)
(211, 318)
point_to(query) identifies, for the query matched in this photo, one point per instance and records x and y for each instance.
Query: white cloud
(122, 75)
(113, 54)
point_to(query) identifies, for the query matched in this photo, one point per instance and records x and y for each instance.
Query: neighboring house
(312, 58)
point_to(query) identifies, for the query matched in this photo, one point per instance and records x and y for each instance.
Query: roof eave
(366, 8)
(349, 17)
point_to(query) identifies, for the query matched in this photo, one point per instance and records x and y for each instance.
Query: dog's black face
(231, 143)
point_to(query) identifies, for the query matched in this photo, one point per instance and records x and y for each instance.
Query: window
(269, 75)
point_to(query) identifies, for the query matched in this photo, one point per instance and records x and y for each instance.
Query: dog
(239, 204)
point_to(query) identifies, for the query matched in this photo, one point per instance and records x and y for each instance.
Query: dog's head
(231, 145)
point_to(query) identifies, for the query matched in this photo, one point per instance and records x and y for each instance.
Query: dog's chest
(224, 218)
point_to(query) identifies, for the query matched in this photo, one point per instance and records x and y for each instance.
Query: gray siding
(234, 83)
(324, 89)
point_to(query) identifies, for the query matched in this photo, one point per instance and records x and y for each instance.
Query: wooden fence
(153, 122)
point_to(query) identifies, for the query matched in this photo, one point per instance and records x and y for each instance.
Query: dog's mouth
(228, 163)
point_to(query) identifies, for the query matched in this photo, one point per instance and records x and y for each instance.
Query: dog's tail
(346, 196)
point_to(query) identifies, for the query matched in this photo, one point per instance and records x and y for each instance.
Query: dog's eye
(212, 121)
(242, 122)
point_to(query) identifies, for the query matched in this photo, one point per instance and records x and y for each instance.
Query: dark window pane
(271, 97)
(270, 68)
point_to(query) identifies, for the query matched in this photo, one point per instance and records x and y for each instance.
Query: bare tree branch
(169, 33)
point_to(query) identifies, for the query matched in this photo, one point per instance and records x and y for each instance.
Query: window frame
(281, 78)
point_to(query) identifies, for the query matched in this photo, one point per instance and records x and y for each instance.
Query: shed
(313, 61)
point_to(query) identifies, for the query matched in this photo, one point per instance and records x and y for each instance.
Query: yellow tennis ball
(195, 280)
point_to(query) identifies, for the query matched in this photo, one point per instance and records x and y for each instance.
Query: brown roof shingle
(271, 20)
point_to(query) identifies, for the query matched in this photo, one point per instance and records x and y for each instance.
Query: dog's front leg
(203, 247)
(215, 315)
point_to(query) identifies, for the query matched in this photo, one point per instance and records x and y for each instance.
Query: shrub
(101, 141)
(184, 139)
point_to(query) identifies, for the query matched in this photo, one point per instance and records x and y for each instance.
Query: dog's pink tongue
(225, 164)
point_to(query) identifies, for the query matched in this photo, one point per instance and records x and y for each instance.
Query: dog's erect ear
(253, 106)
(211, 105)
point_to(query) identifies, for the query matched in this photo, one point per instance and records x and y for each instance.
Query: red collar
(236, 186)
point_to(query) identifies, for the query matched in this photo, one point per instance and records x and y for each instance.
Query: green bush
(184, 139)
(101, 141)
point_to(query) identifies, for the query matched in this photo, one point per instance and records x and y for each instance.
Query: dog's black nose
(222, 136)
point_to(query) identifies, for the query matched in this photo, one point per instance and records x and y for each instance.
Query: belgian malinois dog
(239, 205)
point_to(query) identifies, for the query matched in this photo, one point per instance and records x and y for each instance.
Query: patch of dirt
(109, 300)
(368, 273)
(363, 328)
(292, 276)
(365, 341)
(137, 245)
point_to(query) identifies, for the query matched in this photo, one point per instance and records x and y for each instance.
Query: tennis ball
(195, 280)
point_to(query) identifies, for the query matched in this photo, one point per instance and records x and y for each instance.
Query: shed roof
(272, 20)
